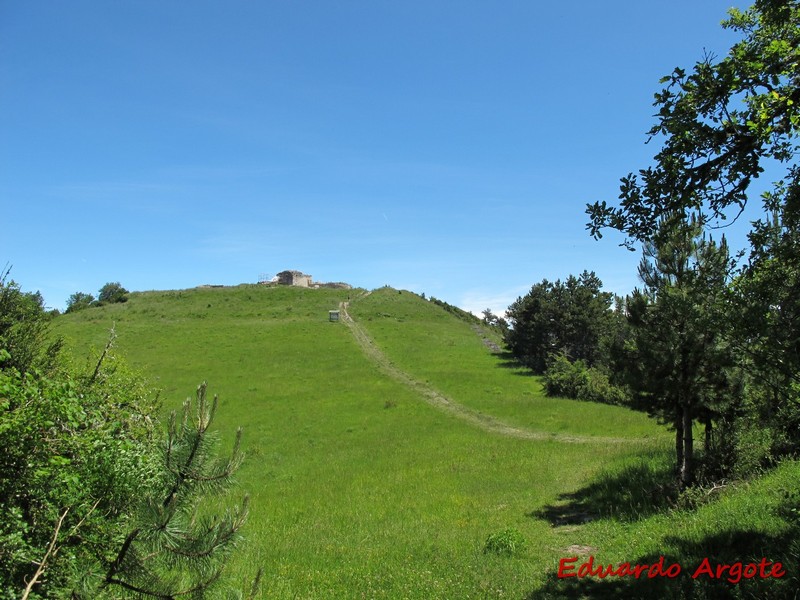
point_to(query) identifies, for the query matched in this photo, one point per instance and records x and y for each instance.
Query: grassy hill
(384, 452)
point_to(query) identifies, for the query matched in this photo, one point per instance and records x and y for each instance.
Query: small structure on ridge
(294, 278)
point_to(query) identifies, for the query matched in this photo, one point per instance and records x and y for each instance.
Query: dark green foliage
(572, 317)
(720, 123)
(680, 363)
(169, 550)
(72, 450)
(454, 310)
(112, 292)
(768, 324)
(576, 380)
(79, 301)
(24, 326)
(493, 320)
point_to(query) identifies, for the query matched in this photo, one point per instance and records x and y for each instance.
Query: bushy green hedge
(577, 380)
(77, 452)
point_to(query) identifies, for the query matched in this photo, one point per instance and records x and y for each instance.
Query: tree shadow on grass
(635, 492)
(506, 360)
(726, 547)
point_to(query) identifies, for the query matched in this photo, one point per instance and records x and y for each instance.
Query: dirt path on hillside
(442, 402)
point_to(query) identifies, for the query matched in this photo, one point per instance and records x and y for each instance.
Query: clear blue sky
(444, 147)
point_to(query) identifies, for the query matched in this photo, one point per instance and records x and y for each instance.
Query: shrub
(79, 301)
(578, 381)
(458, 312)
(113, 292)
(77, 452)
(90, 504)
(24, 329)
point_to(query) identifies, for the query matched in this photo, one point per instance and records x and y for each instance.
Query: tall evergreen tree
(680, 363)
(571, 317)
(768, 322)
(721, 125)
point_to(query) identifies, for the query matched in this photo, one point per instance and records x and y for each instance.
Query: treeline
(705, 341)
(97, 498)
(709, 340)
(110, 293)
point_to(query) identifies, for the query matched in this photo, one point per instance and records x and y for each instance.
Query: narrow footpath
(448, 405)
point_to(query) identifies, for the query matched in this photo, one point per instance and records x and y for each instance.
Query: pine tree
(175, 548)
(572, 317)
(680, 363)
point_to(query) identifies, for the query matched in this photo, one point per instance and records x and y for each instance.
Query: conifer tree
(175, 548)
(571, 317)
(680, 363)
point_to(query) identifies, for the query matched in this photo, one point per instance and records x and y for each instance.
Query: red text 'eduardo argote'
(733, 573)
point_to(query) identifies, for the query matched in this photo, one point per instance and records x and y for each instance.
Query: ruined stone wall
(294, 278)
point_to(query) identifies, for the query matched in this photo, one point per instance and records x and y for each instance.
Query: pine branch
(123, 552)
(170, 554)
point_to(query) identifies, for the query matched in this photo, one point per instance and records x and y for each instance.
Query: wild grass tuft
(508, 542)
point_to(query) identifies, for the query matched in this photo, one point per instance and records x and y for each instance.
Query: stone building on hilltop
(294, 278)
(300, 279)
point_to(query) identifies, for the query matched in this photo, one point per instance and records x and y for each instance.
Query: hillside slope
(360, 485)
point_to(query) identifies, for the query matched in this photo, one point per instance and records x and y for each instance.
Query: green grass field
(362, 488)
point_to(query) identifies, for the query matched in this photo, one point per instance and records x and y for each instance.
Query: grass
(429, 343)
(361, 489)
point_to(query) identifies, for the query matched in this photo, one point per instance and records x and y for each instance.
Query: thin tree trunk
(687, 470)
(679, 442)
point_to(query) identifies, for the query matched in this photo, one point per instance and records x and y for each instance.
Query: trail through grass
(359, 489)
(435, 398)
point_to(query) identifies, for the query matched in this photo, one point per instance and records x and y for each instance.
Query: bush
(458, 312)
(24, 329)
(77, 452)
(113, 292)
(79, 301)
(578, 381)
(87, 492)
(91, 504)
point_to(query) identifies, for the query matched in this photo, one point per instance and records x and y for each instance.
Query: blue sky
(448, 147)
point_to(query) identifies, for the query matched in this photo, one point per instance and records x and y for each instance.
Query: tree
(767, 294)
(680, 362)
(24, 328)
(493, 320)
(571, 317)
(79, 301)
(90, 506)
(112, 292)
(170, 552)
(720, 124)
